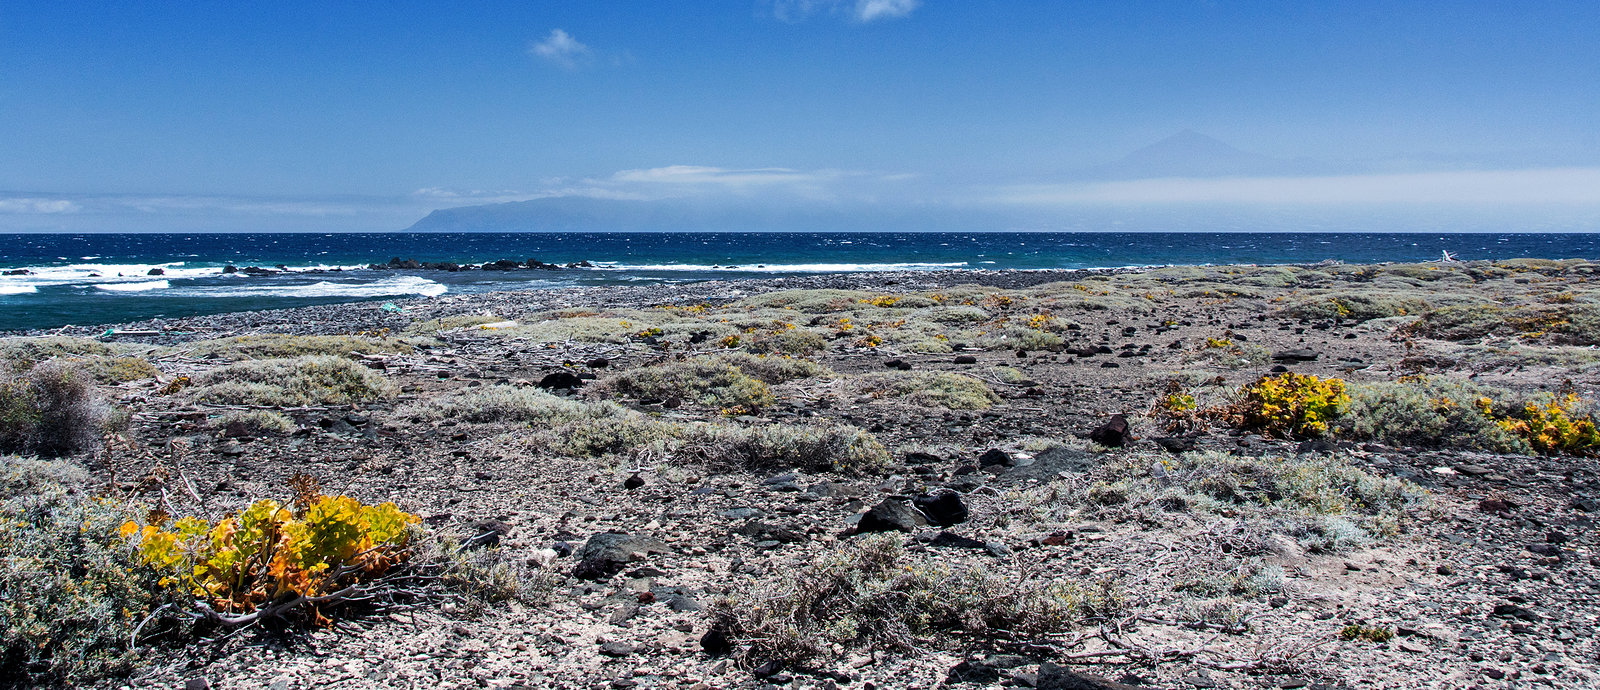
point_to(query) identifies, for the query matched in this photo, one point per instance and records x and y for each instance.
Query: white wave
(135, 287)
(17, 289)
(101, 275)
(388, 287)
(779, 268)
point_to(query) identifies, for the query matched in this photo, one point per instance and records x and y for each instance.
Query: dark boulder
(889, 516)
(560, 380)
(943, 508)
(156, 272)
(1296, 355)
(1113, 434)
(607, 552)
(996, 456)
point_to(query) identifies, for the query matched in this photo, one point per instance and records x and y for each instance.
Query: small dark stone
(942, 508)
(996, 456)
(561, 380)
(954, 541)
(196, 683)
(1587, 505)
(973, 672)
(888, 516)
(767, 670)
(616, 649)
(966, 359)
(1053, 677)
(1296, 355)
(1176, 444)
(715, 642)
(605, 554)
(1279, 369)
(1113, 433)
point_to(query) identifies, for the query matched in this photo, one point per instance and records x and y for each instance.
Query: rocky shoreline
(1030, 432)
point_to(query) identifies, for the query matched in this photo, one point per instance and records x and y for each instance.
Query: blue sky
(365, 116)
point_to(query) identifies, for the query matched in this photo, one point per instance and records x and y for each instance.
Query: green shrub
(500, 403)
(1430, 412)
(934, 389)
(253, 423)
(446, 323)
(873, 594)
(1570, 324)
(812, 447)
(313, 380)
(791, 341)
(775, 368)
(70, 592)
(278, 345)
(1018, 337)
(115, 370)
(606, 435)
(715, 383)
(26, 352)
(51, 410)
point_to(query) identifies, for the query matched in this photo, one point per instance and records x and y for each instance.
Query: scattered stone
(1473, 470)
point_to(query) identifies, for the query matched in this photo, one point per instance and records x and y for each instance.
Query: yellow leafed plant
(266, 553)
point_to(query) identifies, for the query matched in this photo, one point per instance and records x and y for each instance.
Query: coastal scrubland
(1218, 476)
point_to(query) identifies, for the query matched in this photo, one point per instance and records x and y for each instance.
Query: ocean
(83, 279)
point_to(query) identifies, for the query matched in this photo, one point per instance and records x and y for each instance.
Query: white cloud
(871, 10)
(38, 206)
(859, 10)
(705, 175)
(561, 49)
(1496, 187)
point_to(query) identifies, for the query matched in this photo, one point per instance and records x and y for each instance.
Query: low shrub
(933, 389)
(1553, 425)
(267, 560)
(872, 593)
(811, 447)
(114, 370)
(312, 380)
(1289, 404)
(1430, 412)
(712, 382)
(1569, 324)
(51, 410)
(279, 345)
(447, 323)
(501, 403)
(23, 353)
(71, 594)
(799, 342)
(253, 423)
(775, 368)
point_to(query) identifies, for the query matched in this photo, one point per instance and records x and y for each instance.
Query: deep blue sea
(89, 279)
